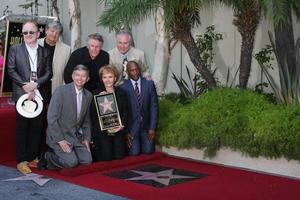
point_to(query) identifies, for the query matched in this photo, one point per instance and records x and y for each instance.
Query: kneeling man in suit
(143, 103)
(69, 126)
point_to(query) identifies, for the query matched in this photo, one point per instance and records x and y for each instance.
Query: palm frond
(119, 12)
(281, 10)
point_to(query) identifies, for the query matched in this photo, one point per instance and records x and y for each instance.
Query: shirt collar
(30, 48)
(138, 81)
(77, 91)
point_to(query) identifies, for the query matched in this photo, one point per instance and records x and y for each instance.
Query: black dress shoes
(42, 164)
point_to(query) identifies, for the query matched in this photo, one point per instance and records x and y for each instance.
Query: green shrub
(239, 119)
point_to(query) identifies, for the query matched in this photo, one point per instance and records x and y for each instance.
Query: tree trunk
(55, 10)
(162, 53)
(75, 24)
(191, 47)
(246, 58)
(246, 22)
(285, 44)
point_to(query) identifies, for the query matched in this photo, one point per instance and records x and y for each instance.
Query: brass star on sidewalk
(162, 177)
(38, 179)
(106, 105)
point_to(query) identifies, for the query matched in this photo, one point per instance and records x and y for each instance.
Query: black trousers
(28, 137)
(109, 147)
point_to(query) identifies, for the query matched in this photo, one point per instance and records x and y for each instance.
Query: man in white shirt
(29, 68)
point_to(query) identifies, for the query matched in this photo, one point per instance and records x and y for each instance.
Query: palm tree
(180, 18)
(247, 17)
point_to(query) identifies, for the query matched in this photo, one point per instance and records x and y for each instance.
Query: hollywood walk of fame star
(106, 105)
(38, 179)
(162, 177)
(41, 29)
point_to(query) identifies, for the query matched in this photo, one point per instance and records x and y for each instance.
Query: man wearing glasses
(30, 69)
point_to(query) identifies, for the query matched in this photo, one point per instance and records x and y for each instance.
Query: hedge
(239, 119)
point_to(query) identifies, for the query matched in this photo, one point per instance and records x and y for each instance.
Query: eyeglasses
(28, 32)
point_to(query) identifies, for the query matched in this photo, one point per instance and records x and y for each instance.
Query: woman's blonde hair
(109, 69)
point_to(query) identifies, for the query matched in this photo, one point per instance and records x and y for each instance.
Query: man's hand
(65, 145)
(129, 140)
(87, 144)
(31, 95)
(29, 87)
(151, 135)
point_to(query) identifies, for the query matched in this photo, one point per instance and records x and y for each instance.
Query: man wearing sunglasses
(30, 69)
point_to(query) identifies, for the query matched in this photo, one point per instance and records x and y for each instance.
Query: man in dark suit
(93, 57)
(69, 126)
(30, 69)
(143, 118)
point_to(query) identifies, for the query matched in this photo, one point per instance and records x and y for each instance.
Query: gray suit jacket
(19, 69)
(60, 58)
(62, 115)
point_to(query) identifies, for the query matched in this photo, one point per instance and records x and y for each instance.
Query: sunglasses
(28, 32)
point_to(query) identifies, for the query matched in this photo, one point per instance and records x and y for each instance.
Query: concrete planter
(231, 158)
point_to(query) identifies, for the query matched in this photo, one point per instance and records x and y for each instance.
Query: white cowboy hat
(29, 108)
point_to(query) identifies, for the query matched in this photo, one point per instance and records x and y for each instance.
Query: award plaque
(107, 110)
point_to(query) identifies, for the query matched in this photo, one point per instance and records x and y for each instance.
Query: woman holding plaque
(109, 114)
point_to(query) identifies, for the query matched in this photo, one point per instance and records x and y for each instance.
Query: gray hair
(81, 67)
(124, 33)
(55, 25)
(95, 36)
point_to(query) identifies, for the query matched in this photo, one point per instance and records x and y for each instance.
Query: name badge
(33, 76)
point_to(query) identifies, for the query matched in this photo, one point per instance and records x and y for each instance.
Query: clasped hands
(29, 88)
(114, 130)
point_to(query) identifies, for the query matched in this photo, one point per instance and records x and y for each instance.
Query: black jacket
(81, 56)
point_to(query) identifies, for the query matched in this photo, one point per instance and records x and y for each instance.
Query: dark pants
(28, 137)
(109, 147)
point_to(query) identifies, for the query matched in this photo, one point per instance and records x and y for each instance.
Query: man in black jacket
(91, 56)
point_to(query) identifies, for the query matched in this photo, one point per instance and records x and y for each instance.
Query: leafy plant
(288, 92)
(205, 44)
(238, 119)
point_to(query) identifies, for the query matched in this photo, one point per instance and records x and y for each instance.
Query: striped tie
(137, 93)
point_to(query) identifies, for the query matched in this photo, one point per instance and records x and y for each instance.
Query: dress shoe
(22, 167)
(42, 164)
